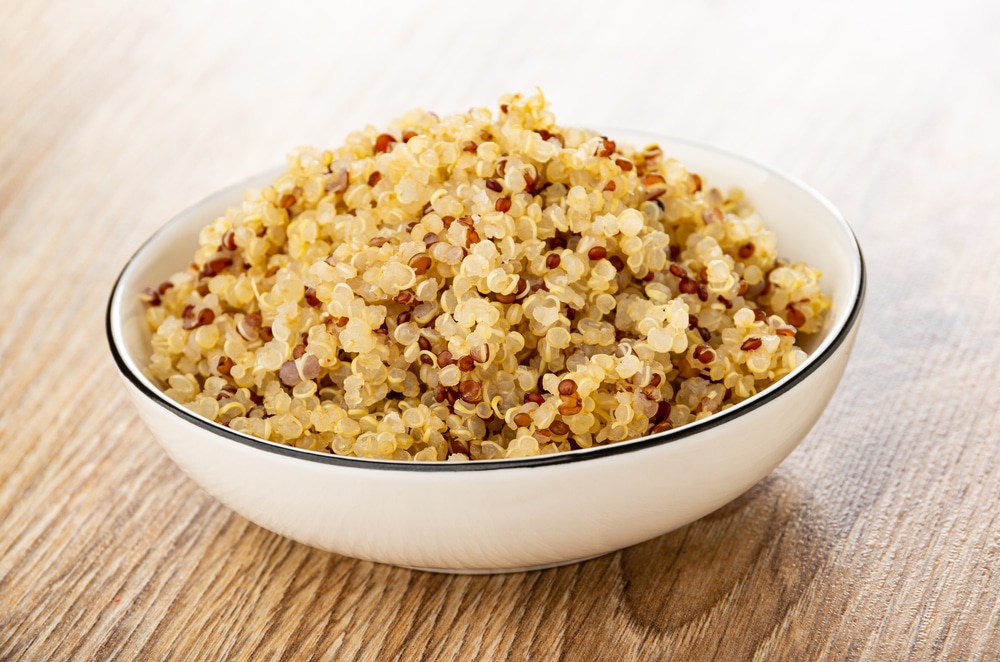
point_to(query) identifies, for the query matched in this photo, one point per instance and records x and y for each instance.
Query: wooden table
(876, 539)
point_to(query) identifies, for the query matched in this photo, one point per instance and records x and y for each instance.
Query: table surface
(876, 539)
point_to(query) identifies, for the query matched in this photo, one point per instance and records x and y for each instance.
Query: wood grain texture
(877, 539)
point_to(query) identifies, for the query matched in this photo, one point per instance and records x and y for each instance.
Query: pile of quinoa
(475, 287)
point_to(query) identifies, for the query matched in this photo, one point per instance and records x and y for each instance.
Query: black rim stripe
(618, 448)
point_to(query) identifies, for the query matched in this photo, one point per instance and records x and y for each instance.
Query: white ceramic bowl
(506, 515)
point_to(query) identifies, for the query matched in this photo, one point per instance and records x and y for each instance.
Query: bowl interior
(807, 226)
(163, 255)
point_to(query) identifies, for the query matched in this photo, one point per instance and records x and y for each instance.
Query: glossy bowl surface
(505, 515)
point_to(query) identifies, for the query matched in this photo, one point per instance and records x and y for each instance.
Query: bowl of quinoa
(456, 295)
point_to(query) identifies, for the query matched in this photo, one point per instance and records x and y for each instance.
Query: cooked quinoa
(479, 286)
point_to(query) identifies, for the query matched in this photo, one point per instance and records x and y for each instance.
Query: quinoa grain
(509, 287)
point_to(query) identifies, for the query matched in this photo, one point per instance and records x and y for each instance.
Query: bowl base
(504, 571)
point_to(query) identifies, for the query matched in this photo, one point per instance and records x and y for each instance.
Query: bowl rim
(811, 364)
